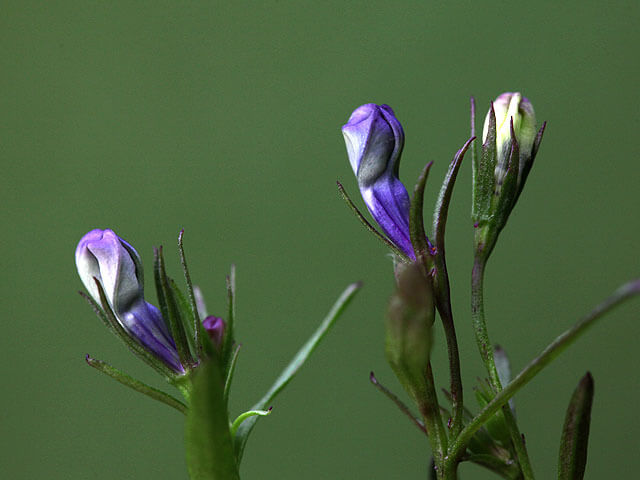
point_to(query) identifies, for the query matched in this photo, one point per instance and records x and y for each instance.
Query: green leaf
(294, 365)
(229, 336)
(243, 416)
(195, 327)
(230, 372)
(484, 180)
(135, 384)
(416, 218)
(169, 307)
(442, 204)
(210, 454)
(368, 226)
(575, 434)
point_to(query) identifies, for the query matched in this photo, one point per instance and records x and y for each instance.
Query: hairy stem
(486, 352)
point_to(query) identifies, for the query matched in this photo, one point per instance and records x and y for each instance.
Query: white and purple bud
(104, 256)
(215, 327)
(374, 140)
(508, 107)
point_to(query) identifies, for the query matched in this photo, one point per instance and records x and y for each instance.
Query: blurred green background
(224, 118)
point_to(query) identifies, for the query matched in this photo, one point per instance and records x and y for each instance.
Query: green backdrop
(224, 118)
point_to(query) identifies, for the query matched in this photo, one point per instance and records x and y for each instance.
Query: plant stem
(534, 367)
(430, 410)
(486, 352)
(457, 405)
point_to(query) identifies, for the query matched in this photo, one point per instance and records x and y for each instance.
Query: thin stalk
(486, 352)
(545, 357)
(430, 410)
(457, 404)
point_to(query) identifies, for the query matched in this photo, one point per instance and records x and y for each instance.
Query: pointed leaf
(416, 219)
(209, 444)
(575, 434)
(294, 365)
(368, 226)
(135, 384)
(442, 204)
(484, 180)
(169, 303)
(194, 328)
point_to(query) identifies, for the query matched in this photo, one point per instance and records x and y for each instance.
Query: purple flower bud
(101, 254)
(374, 140)
(215, 327)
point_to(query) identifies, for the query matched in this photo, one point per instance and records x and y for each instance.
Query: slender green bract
(290, 370)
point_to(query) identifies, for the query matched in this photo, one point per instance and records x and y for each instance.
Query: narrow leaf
(484, 180)
(401, 406)
(294, 365)
(195, 330)
(229, 335)
(176, 320)
(416, 218)
(230, 373)
(444, 198)
(209, 444)
(243, 416)
(368, 226)
(136, 385)
(575, 434)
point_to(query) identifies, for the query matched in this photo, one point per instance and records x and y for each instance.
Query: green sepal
(525, 168)
(208, 440)
(294, 365)
(136, 384)
(230, 372)
(575, 434)
(396, 251)
(229, 336)
(419, 241)
(193, 324)
(484, 178)
(207, 347)
(398, 403)
(186, 313)
(107, 315)
(169, 307)
(507, 189)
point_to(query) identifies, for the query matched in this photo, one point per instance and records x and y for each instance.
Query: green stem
(430, 410)
(457, 405)
(486, 352)
(549, 354)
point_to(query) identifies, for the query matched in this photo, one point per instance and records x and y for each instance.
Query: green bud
(408, 328)
(510, 143)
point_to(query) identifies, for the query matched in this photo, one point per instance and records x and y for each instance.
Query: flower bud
(374, 139)
(105, 257)
(408, 329)
(215, 327)
(510, 107)
(510, 144)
